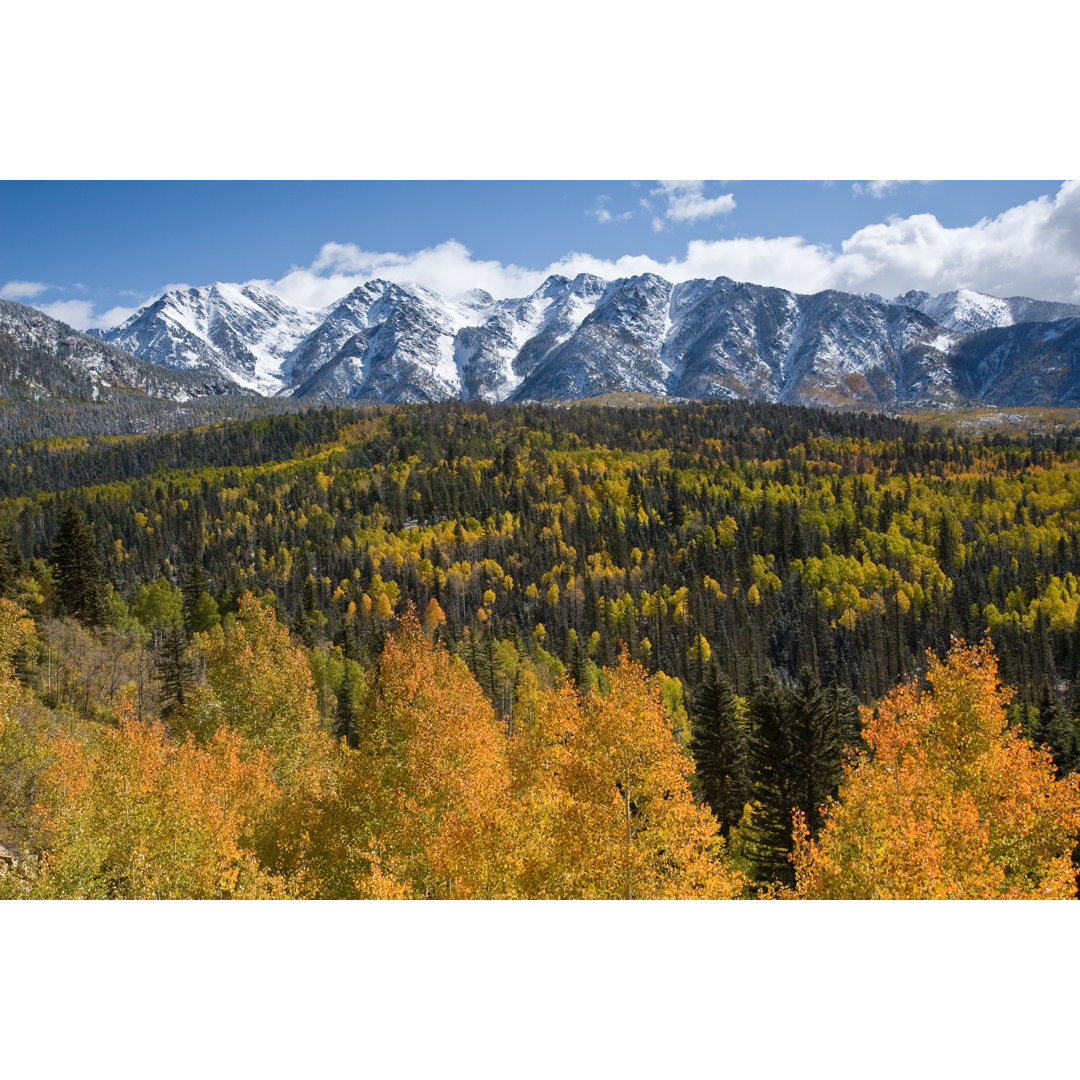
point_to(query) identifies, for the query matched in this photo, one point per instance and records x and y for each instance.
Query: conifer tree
(797, 762)
(175, 670)
(10, 566)
(1057, 731)
(345, 724)
(720, 747)
(79, 571)
(772, 755)
(195, 584)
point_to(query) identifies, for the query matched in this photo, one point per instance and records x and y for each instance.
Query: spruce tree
(175, 670)
(9, 567)
(720, 747)
(345, 723)
(796, 756)
(1057, 730)
(772, 756)
(194, 585)
(80, 576)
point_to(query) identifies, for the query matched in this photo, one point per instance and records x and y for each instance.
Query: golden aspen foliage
(260, 684)
(431, 744)
(434, 616)
(604, 790)
(946, 802)
(15, 629)
(131, 814)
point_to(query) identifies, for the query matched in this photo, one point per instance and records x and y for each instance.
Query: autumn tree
(15, 629)
(130, 814)
(604, 786)
(946, 801)
(431, 738)
(260, 684)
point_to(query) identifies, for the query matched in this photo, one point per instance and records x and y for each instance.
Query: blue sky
(91, 252)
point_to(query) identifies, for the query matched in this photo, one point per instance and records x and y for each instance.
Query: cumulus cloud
(448, 268)
(80, 314)
(686, 201)
(23, 290)
(1030, 250)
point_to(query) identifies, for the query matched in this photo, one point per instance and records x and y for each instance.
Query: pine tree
(1057, 731)
(720, 749)
(772, 755)
(818, 745)
(797, 762)
(345, 724)
(194, 586)
(9, 567)
(79, 571)
(175, 670)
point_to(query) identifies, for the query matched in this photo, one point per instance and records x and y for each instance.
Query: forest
(711, 650)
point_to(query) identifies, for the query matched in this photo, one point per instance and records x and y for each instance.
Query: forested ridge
(467, 650)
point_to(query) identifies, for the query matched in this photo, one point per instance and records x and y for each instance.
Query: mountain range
(578, 337)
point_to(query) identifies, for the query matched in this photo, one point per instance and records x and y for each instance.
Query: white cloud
(448, 268)
(604, 215)
(23, 290)
(686, 201)
(877, 188)
(80, 314)
(1030, 250)
(77, 313)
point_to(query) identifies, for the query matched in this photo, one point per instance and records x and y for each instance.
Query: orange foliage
(131, 814)
(948, 802)
(260, 684)
(431, 741)
(604, 789)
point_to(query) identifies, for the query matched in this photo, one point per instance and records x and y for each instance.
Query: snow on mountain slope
(241, 332)
(497, 355)
(1027, 364)
(389, 342)
(573, 338)
(617, 346)
(969, 312)
(48, 358)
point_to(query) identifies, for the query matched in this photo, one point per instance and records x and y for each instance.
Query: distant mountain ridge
(579, 337)
(41, 357)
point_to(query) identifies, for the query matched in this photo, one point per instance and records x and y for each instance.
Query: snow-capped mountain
(969, 312)
(728, 339)
(574, 338)
(44, 358)
(496, 356)
(385, 341)
(241, 332)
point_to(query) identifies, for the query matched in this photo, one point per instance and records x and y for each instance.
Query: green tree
(720, 746)
(80, 576)
(9, 567)
(346, 727)
(797, 762)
